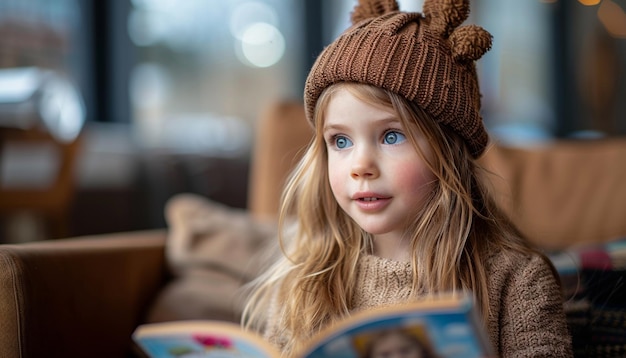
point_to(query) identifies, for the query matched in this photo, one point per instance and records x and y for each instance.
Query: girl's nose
(364, 165)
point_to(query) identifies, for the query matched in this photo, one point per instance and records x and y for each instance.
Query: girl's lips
(371, 201)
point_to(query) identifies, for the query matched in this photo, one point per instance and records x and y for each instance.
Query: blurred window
(516, 74)
(205, 68)
(40, 33)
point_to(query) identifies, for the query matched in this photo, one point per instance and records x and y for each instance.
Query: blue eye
(342, 142)
(393, 137)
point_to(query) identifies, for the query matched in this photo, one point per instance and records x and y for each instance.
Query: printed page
(449, 328)
(196, 339)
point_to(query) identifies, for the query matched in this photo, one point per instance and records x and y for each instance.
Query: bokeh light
(262, 45)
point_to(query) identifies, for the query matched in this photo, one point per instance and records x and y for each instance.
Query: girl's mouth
(371, 202)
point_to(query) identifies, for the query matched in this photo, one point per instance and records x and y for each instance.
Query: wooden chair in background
(47, 204)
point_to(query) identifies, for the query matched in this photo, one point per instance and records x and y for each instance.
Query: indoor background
(155, 97)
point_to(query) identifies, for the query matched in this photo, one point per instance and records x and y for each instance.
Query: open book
(446, 327)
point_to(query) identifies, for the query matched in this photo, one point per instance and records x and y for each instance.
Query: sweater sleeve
(532, 319)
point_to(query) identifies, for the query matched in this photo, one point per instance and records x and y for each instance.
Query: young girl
(388, 203)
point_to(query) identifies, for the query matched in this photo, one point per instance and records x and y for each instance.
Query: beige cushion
(211, 250)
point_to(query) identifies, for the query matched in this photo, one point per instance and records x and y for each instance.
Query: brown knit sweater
(527, 317)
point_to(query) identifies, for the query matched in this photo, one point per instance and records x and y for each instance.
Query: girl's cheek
(412, 176)
(335, 178)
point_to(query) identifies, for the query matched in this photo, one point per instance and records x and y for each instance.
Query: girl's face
(375, 173)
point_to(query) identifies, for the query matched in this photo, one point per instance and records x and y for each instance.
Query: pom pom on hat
(469, 43)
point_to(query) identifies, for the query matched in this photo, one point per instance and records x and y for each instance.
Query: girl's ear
(366, 9)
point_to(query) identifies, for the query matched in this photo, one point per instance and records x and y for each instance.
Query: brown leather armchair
(77, 297)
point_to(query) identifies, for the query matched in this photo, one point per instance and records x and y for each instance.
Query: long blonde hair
(452, 237)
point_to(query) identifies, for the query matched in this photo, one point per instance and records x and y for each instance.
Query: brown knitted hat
(425, 58)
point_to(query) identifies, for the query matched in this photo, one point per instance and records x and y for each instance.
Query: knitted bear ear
(469, 43)
(366, 9)
(445, 15)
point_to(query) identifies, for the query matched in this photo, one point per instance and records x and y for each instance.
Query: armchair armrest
(80, 296)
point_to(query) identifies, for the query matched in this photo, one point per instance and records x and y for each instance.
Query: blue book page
(199, 340)
(433, 332)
